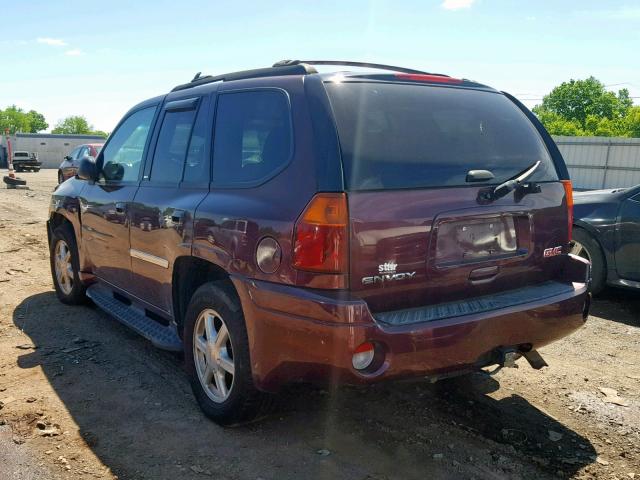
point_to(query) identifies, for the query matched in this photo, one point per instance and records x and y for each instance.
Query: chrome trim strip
(147, 257)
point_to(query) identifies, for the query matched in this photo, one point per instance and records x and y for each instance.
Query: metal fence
(601, 162)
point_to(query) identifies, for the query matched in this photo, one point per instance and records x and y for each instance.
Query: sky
(98, 59)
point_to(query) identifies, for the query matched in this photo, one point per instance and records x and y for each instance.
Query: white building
(51, 148)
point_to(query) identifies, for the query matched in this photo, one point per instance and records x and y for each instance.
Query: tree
(14, 119)
(17, 120)
(37, 123)
(74, 125)
(586, 108)
(577, 99)
(557, 125)
(632, 121)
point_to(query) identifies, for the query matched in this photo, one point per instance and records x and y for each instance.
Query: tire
(13, 182)
(60, 178)
(587, 247)
(36, 170)
(69, 287)
(242, 402)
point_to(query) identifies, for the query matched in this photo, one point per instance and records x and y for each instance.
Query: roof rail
(275, 71)
(379, 66)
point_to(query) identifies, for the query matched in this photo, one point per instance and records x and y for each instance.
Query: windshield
(413, 136)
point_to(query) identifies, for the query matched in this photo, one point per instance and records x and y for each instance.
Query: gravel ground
(82, 396)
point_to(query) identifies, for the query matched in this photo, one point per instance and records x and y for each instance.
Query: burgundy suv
(283, 225)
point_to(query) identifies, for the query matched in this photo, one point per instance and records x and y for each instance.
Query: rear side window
(252, 140)
(395, 136)
(171, 149)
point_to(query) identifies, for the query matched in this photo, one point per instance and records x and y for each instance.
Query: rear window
(395, 136)
(21, 154)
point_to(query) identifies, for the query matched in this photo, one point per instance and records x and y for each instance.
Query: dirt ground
(81, 396)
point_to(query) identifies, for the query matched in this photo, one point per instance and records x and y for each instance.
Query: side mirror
(67, 158)
(88, 170)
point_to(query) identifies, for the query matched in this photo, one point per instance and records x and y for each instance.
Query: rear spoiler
(556, 156)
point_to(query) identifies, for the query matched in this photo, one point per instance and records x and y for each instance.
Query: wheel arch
(190, 273)
(594, 234)
(57, 219)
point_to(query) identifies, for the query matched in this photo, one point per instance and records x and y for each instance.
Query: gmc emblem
(552, 252)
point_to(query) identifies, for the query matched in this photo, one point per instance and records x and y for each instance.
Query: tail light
(568, 193)
(425, 77)
(320, 237)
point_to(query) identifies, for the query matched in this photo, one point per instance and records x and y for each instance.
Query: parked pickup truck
(24, 161)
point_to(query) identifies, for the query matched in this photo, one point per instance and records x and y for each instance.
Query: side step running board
(165, 337)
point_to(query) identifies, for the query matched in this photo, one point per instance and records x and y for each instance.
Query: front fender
(65, 207)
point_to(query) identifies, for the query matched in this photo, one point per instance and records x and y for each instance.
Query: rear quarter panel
(599, 216)
(230, 222)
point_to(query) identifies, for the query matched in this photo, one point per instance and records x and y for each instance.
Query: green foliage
(17, 120)
(557, 125)
(586, 108)
(37, 123)
(76, 125)
(633, 122)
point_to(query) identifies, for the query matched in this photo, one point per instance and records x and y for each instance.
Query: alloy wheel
(579, 250)
(63, 267)
(213, 355)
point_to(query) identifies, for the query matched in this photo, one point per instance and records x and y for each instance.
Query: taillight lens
(320, 238)
(568, 193)
(363, 356)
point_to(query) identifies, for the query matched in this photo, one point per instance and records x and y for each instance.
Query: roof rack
(293, 69)
(378, 66)
(290, 67)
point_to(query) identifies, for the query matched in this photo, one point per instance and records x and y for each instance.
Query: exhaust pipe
(509, 356)
(535, 359)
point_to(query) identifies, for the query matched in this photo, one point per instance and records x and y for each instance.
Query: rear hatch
(421, 232)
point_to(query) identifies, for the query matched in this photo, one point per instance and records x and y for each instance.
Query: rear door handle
(121, 207)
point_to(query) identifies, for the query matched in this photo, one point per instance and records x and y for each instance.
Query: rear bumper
(26, 164)
(298, 334)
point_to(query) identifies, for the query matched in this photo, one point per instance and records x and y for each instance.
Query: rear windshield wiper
(510, 185)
